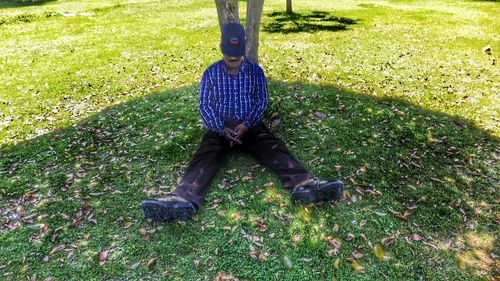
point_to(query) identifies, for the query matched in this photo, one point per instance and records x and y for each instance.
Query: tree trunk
(254, 13)
(227, 10)
(289, 7)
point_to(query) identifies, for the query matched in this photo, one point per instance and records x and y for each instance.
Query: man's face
(232, 62)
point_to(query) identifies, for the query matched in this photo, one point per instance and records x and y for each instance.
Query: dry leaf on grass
(287, 262)
(356, 265)
(379, 252)
(103, 255)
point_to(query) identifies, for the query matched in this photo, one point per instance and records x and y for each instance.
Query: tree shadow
(393, 155)
(23, 3)
(312, 21)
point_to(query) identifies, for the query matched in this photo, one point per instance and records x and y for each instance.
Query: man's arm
(261, 100)
(206, 106)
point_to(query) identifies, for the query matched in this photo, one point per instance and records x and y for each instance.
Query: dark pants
(259, 142)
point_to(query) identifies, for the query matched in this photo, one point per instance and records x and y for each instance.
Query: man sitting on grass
(233, 99)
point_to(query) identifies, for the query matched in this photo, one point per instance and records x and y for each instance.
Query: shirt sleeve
(261, 99)
(206, 105)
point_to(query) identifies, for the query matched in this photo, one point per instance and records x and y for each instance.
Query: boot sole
(329, 191)
(162, 211)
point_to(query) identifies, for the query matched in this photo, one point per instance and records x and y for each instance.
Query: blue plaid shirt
(232, 99)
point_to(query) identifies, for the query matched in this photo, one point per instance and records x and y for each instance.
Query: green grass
(98, 111)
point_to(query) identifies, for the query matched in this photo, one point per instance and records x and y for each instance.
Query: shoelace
(317, 182)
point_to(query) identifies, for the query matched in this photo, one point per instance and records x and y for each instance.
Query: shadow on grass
(86, 182)
(23, 3)
(306, 22)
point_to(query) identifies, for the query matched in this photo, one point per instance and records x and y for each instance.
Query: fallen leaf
(135, 265)
(296, 238)
(416, 237)
(379, 252)
(225, 183)
(357, 255)
(92, 219)
(151, 262)
(361, 170)
(57, 249)
(103, 255)
(336, 228)
(349, 237)
(275, 122)
(254, 253)
(65, 217)
(381, 214)
(357, 266)
(236, 216)
(196, 262)
(487, 50)
(461, 263)
(36, 227)
(259, 191)
(247, 178)
(447, 243)
(410, 211)
(388, 241)
(374, 192)
(399, 216)
(263, 256)
(335, 242)
(320, 115)
(287, 262)
(307, 259)
(336, 263)
(215, 204)
(398, 112)
(262, 227)
(222, 276)
(422, 199)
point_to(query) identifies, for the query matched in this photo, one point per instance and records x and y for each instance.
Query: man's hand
(240, 130)
(230, 136)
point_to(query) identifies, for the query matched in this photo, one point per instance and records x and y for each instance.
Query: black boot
(171, 208)
(320, 192)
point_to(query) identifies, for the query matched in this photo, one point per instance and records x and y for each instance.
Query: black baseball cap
(233, 40)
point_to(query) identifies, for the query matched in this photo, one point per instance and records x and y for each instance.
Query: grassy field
(98, 111)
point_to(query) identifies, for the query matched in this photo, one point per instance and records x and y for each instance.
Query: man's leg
(183, 202)
(202, 169)
(273, 153)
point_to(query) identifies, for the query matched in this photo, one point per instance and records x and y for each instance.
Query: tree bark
(227, 10)
(254, 13)
(289, 7)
